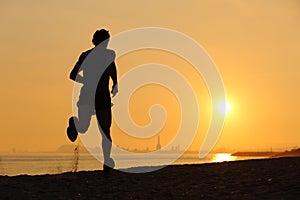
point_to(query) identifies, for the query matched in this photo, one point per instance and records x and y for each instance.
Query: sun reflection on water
(222, 157)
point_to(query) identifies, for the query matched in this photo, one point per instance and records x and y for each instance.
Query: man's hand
(114, 90)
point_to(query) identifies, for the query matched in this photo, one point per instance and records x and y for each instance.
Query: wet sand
(277, 178)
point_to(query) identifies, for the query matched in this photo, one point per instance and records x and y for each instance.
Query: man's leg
(80, 124)
(104, 122)
(85, 113)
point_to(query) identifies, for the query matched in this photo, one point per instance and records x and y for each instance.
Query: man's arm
(74, 75)
(113, 75)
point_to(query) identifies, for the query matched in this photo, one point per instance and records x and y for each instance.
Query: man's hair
(99, 36)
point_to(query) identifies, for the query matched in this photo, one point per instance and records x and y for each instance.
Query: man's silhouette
(94, 94)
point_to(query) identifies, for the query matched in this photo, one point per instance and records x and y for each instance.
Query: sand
(276, 178)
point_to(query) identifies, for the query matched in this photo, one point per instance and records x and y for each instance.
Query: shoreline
(270, 154)
(274, 178)
(34, 164)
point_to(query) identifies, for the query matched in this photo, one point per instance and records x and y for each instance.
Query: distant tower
(158, 146)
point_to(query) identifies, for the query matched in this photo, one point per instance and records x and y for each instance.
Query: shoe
(71, 130)
(72, 134)
(71, 122)
(108, 165)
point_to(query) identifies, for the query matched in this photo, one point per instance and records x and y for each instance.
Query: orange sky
(255, 45)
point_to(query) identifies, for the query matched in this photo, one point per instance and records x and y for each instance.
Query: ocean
(55, 163)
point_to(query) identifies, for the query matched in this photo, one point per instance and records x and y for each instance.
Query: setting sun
(223, 107)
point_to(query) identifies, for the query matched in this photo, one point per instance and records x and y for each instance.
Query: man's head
(99, 36)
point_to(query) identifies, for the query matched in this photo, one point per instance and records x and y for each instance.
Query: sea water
(55, 163)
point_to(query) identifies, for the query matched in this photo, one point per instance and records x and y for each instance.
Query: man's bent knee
(82, 128)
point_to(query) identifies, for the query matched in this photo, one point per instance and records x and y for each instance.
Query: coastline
(270, 154)
(276, 178)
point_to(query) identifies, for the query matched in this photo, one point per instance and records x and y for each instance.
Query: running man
(94, 94)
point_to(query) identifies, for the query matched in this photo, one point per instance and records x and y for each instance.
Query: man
(94, 94)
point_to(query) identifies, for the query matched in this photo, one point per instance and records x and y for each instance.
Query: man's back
(98, 73)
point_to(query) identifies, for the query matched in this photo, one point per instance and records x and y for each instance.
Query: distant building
(158, 146)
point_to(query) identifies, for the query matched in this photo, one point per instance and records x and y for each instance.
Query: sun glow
(223, 107)
(222, 157)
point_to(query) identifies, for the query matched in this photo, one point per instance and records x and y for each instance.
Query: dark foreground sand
(277, 178)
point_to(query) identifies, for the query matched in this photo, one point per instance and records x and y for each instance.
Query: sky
(255, 45)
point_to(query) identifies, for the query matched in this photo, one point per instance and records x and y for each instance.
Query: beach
(276, 178)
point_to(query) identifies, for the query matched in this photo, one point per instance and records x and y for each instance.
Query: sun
(223, 107)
